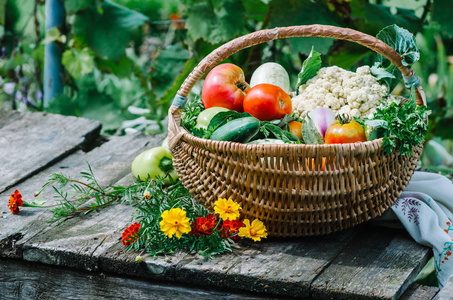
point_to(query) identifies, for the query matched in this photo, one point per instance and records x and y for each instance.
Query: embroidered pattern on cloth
(429, 225)
(409, 205)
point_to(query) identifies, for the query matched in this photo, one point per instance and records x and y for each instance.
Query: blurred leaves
(107, 33)
(167, 67)
(295, 12)
(108, 67)
(215, 21)
(441, 13)
(121, 67)
(371, 18)
(78, 62)
(73, 6)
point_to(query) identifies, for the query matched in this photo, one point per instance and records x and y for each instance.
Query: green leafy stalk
(405, 125)
(310, 67)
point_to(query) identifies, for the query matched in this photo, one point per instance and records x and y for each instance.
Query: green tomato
(206, 116)
(153, 163)
(165, 143)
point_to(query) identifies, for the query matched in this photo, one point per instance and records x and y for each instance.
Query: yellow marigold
(227, 209)
(175, 222)
(256, 231)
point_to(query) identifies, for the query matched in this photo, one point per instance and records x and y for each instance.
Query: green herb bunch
(405, 125)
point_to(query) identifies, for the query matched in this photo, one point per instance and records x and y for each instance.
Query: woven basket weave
(286, 186)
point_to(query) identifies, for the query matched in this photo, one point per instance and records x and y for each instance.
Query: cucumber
(239, 130)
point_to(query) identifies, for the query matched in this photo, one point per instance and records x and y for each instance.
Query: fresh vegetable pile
(330, 105)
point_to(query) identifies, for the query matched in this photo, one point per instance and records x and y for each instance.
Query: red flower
(448, 253)
(130, 234)
(446, 230)
(203, 226)
(15, 200)
(177, 22)
(230, 228)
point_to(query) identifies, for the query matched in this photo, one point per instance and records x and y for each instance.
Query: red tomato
(267, 102)
(345, 131)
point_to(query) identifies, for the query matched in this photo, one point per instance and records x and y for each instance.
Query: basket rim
(346, 146)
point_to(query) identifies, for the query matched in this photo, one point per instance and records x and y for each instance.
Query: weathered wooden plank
(287, 267)
(73, 242)
(9, 116)
(419, 292)
(377, 264)
(446, 293)
(21, 280)
(279, 266)
(116, 261)
(110, 162)
(36, 140)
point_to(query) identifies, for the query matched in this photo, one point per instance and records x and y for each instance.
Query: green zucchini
(239, 130)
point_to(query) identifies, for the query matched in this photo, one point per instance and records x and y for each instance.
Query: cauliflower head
(344, 92)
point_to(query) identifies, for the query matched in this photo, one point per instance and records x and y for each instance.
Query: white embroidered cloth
(425, 209)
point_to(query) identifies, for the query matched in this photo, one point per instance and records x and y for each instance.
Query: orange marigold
(130, 234)
(15, 200)
(230, 228)
(203, 226)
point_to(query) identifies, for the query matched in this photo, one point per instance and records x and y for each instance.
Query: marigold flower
(130, 234)
(203, 226)
(255, 231)
(227, 209)
(146, 195)
(15, 200)
(230, 228)
(175, 222)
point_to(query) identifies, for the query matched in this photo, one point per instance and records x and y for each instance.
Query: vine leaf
(78, 62)
(221, 22)
(107, 29)
(402, 41)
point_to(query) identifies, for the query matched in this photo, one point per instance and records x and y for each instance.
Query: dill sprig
(74, 196)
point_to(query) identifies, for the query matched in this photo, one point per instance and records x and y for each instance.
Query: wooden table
(366, 262)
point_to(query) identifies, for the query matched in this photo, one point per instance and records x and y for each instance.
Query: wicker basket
(285, 185)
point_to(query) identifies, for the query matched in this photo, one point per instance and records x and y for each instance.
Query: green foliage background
(125, 59)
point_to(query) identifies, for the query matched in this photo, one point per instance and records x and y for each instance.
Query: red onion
(322, 117)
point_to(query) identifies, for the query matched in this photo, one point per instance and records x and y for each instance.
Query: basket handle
(175, 131)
